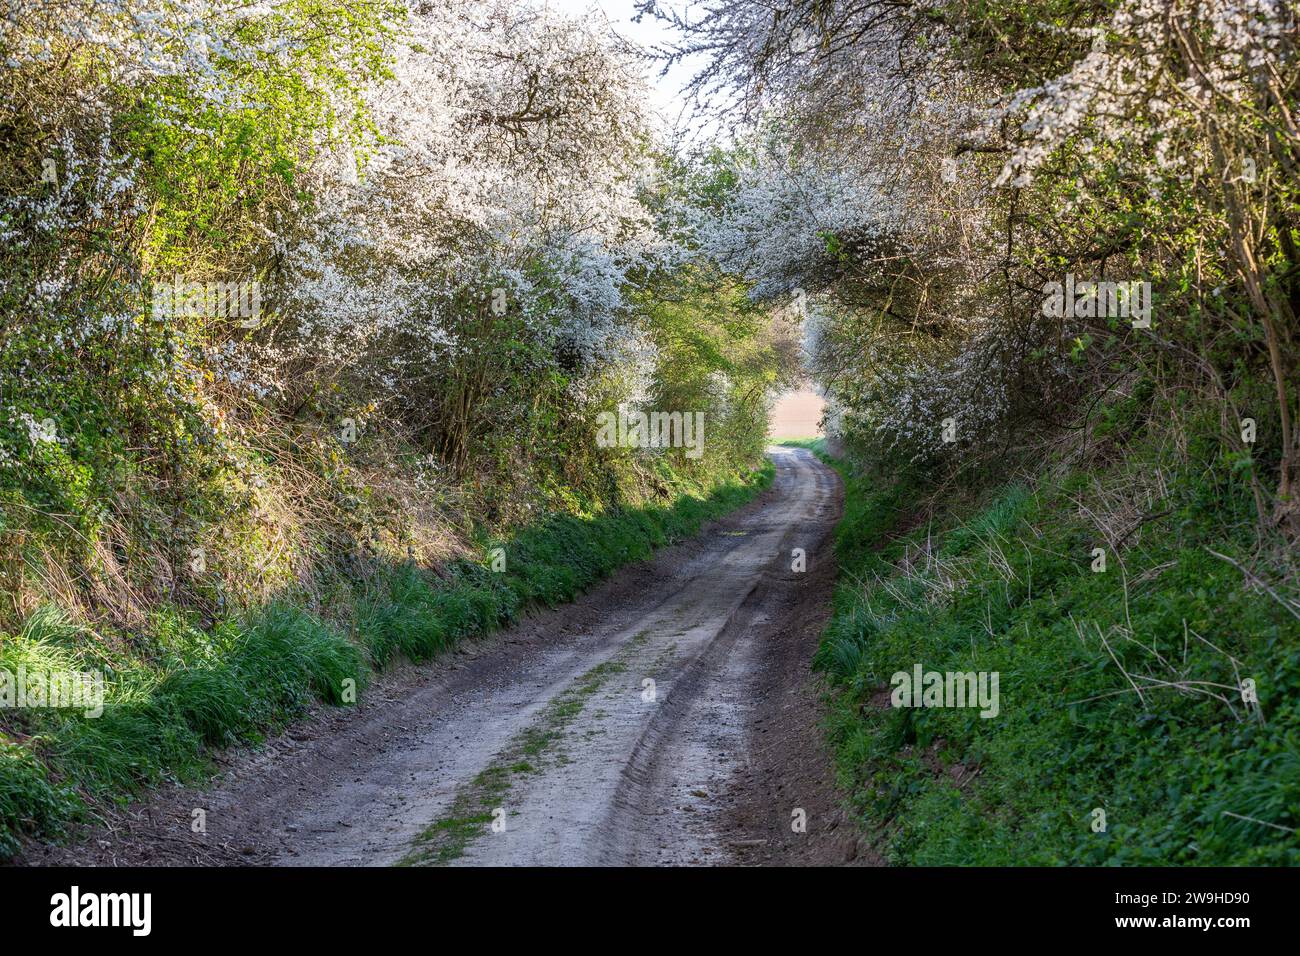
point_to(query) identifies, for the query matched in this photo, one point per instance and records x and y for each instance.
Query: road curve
(653, 721)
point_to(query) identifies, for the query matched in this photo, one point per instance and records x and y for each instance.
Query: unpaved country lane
(666, 717)
(641, 766)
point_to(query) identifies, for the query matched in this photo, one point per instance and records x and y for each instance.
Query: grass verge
(1123, 735)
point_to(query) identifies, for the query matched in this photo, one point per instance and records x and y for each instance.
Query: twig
(1263, 823)
(1106, 644)
(1289, 605)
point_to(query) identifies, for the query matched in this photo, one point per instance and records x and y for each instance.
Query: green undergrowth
(176, 691)
(1122, 736)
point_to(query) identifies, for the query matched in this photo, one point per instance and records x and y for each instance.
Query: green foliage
(1185, 772)
(719, 352)
(157, 178)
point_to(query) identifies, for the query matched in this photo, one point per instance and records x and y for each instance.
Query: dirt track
(547, 743)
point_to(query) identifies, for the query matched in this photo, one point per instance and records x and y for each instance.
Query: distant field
(797, 415)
